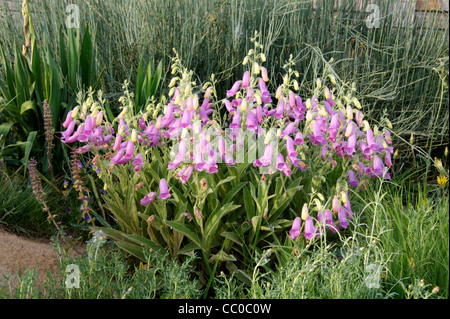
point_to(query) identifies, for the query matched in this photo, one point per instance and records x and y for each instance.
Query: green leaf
(73, 58)
(63, 54)
(36, 69)
(233, 236)
(221, 256)
(139, 81)
(28, 147)
(249, 204)
(28, 105)
(213, 221)
(11, 93)
(223, 181)
(185, 230)
(86, 57)
(156, 80)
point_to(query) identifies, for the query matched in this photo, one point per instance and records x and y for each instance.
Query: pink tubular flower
(264, 75)
(148, 199)
(186, 174)
(310, 229)
(343, 222)
(378, 166)
(236, 123)
(291, 128)
(298, 140)
(282, 166)
(70, 127)
(295, 230)
(326, 219)
(352, 178)
(266, 159)
(234, 89)
(138, 162)
(163, 189)
(180, 156)
(280, 110)
(68, 120)
(246, 80)
(229, 106)
(387, 159)
(336, 205)
(252, 124)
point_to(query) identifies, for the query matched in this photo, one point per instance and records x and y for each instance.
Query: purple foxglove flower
(295, 230)
(329, 109)
(129, 152)
(350, 147)
(83, 149)
(336, 205)
(365, 149)
(298, 140)
(291, 128)
(262, 87)
(234, 89)
(352, 178)
(378, 166)
(246, 80)
(142, 123)
(236, 123)
(163, 189)
(118, 157)
(348, 207)
(88, 125)
(290, 147)
(148, 199)
(186, 119)
(310, 229)
(186, 174)
(229, 106)
(369, 137)
(280, 109)
(252, 124)
(317, 137)
(358, 117)
(387, 137)
(265, 98)
(264, 74)
(387, 159)
(259, 114)
(326, 218)
(266, 159)
(292, 99)
(206, 105)
(70, 127)
(68, 120)
(343, 222)
(335, 122)
(138, 162)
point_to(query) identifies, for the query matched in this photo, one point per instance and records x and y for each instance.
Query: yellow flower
(442, 180)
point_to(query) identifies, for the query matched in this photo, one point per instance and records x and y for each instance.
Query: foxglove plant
(182, 175)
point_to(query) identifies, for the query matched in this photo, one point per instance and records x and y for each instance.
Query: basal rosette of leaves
(231, 178)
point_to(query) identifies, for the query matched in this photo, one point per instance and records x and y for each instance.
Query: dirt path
(19, 253)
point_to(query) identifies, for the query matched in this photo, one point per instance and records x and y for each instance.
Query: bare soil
(19, 253)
